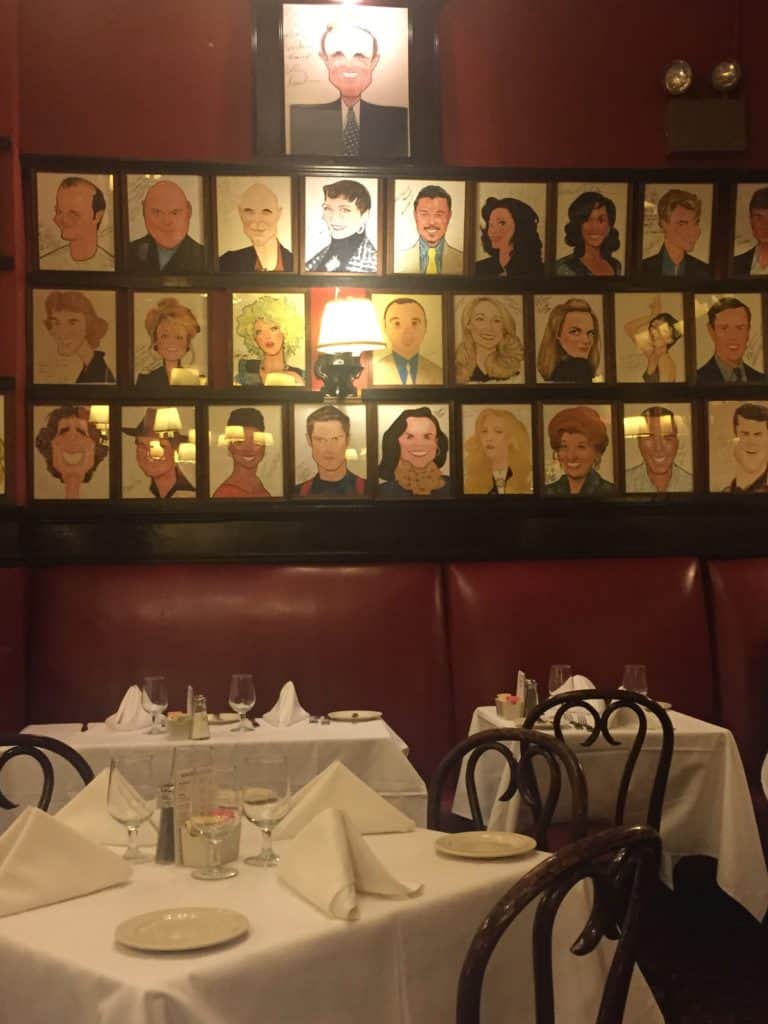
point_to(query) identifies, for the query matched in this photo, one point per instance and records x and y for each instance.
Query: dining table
(371, 749)
(707, 806)
(398, 963)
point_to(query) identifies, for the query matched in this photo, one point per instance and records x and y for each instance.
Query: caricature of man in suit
(405, 325)
(679, 215)
(750, 452)
(729, 323)
(431, 253)
(167, 247)
(755, 260)
(349, 126)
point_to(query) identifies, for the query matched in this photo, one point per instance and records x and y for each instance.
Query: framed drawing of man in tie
(358, 81)
(428, 227)
(729, 339)
(413, 327)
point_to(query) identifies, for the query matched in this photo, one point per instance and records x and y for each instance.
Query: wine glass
(558, 675)
(217, 817)
(635, 678)
(131, 797)
(154, 699)
(242, 697)
(265, 793)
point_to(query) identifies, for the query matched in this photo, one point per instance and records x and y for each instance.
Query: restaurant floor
(703, 955)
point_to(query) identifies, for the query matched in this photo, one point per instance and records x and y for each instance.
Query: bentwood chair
(28, 745)
(553, 760)
(623, 860)
(615, 709)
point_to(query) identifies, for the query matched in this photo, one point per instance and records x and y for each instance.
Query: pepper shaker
(200, 728)
(165, 852)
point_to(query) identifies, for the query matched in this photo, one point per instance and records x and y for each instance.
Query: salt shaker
(531, 696)
(165, 852)
(200, 728)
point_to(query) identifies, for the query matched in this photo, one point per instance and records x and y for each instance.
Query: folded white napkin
(130, 715)
(578, 715)
(43, 861)
(341, 789)
(287, 710)
(87, 814)
(329, 862)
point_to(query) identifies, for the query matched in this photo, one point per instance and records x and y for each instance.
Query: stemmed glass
(131, 797)
(558, 675)
(154, 699)
(265, 795)
(242, 697)
(218, 817)
(635, 678)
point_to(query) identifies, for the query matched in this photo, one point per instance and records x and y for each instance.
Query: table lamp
(348, 328)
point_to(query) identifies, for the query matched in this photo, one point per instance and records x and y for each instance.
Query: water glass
(558, 675)
(132, 797)
(242, 697)
(635, 678)
(265, 793)
(217, 818)
(154, 699)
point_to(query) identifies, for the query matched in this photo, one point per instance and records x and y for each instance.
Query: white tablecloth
(399, 964)
(707, 808)
(371, 750)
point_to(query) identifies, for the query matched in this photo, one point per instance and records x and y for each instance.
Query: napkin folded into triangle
(329, 862)
(287, 709)
(130, 716)
(578, 715)
(43, 861)
(87, 814)
(341, 789)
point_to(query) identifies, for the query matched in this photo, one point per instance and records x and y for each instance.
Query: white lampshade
(167, 420)
(186, 452)
(350, 325)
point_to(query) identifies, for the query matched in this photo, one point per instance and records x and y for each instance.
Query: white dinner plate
(485, 845)
(181, 928)
(225, 718)
(355, 716)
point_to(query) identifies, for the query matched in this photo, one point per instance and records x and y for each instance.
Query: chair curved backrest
(535, 750)
(594, 722)
(26, 744)
(622, 863)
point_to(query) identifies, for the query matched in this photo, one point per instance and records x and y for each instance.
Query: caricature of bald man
(260, 213)
(167, 247)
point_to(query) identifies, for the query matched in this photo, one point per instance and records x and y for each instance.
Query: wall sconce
(99, 416)
(167, 422)
(704, 124)
(186, 452)
(348, 328)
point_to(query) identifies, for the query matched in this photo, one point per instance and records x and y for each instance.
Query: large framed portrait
(749, 256)
(577, 451)
(414, 451)
(729, 338)
(75, 221)
(166, 224)
(591, 234)
(254, 224)
(738, 447)
(488, 339)
(269, 339)
(413, 327)
(159, 452)
(658, 448)
(511, 228)
(570, 339)
(341, 225)
(71, 452)
(677, 230)
(245, 454)
(497, 449)
(170, 340)
(428, 226)
(73, 336)
(650, 333)
(330, 451)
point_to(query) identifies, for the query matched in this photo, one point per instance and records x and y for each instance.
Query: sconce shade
(350, 325)
(167, 420)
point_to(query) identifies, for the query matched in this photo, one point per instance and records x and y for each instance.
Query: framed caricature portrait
(346, 81)
(428, 221)
(159, 452)
(511, 228)
(570, 339)
(414, 451)
(269, 339)
(341, 225)
(650, 334)
(75, 221)
(170, 340)
(577, 452)
(658, 448)
(677, 230)
(738, 447)
(591, 229)
(488, 338)
(254, 224)
(497, 451)
(71, 452)
(413, 327)
(73, 336)
(245, 455)
(166, 226)
(729, 339)
(330, 451)
(750, 230)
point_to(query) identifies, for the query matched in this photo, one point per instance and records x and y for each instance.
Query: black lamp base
(338, 373)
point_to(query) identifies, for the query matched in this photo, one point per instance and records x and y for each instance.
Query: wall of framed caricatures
(551, 337)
